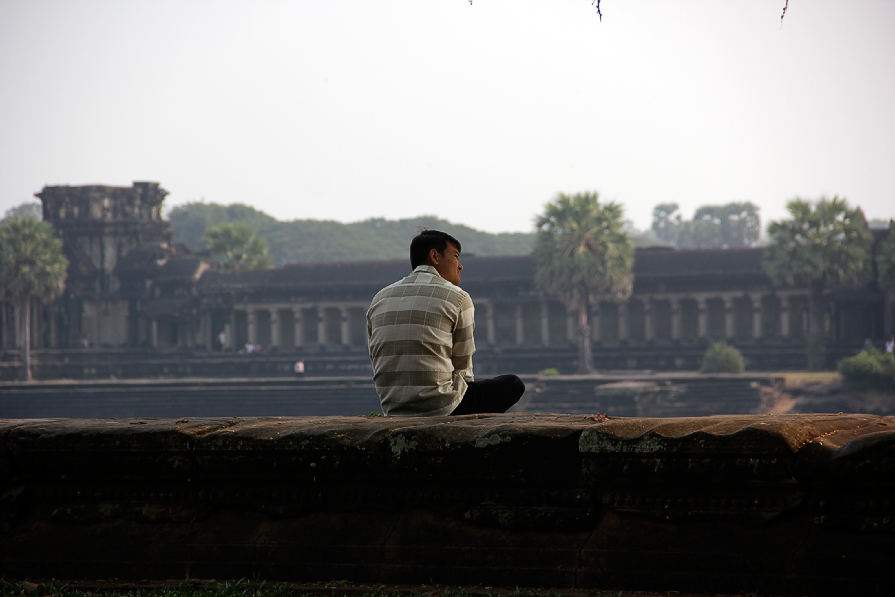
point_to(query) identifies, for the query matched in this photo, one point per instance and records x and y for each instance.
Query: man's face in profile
(447, 264)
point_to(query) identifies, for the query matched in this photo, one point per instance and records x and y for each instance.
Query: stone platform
(797, 504)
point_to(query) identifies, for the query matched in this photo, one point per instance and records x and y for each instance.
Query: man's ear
(434, 257)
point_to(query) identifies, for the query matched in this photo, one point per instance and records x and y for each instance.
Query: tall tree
(822, 246)
(742, 224)
(32, 272)
(666, 222)
(583, 253)
(732, 225)
(237, 246)
(30, 209)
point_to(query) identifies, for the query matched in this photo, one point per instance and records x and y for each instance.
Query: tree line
(584, 250)
(732, 225)
(241, 236)
(206, 228)
(583, 254)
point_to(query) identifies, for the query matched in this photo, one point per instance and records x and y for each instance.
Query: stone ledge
(794, 503)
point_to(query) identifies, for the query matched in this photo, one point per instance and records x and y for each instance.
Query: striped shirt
(420, 336)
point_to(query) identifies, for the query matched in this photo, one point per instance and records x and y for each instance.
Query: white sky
(353, 109)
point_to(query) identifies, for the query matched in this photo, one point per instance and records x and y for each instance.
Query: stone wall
(799, 505)
(155, 364)
(642, 396)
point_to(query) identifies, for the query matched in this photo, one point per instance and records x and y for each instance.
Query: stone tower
(99, 226)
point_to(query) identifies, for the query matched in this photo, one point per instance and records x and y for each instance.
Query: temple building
(131, 289)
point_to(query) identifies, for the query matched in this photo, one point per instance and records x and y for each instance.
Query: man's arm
(464, 343)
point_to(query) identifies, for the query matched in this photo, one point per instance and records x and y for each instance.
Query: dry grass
(797, 378)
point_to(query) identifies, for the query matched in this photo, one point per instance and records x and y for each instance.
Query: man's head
(438, 249)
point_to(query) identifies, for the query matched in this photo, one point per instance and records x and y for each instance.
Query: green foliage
(821, 247)
(237, 246)
(30, 209)
(869, 367)
(722, 358)
(549, 372)
(190, 221)
(827, 244)
(582, 252)
(732, 225)
(666, 222)
(304, 241)
(32, 270)
(885, 262)
(31, 261)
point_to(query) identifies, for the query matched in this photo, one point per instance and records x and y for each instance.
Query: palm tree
(237, 245)
(819, 248)
(32, 271)
(582, 253)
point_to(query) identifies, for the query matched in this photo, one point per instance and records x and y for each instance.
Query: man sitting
(420, 334)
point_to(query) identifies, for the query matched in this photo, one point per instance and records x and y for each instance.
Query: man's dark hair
(427, 240)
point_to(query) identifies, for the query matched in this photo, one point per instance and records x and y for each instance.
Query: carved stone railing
(799, 504)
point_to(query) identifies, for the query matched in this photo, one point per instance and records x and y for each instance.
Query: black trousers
(495, 395)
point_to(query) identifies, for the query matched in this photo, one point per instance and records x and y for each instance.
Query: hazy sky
(479, 114)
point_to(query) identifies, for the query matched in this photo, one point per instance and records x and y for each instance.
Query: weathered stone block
(795, 504)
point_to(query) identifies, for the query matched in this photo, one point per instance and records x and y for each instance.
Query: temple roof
(698, 262)
(481, 269)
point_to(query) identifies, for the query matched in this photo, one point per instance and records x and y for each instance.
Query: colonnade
(501, 322)
(290, 326)
(531, 322)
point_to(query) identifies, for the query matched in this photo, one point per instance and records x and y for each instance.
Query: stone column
(728, 317)
(252, 325)
(210, 334)
(756, 317)
(274, 326)
(622, 321)
(520, 329)
(784, 318)
(675, 318)
(489, 322)
(53, 333)
(596, 331)
(702, 317)
(648, 323)
(298, 327)
(154, 333)
(321, 326)
(545, 324)
(186, 337)
(346, 326)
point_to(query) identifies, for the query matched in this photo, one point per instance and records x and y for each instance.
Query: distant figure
(222, 340)
(299, 368)
(420, 333)
(890, 345)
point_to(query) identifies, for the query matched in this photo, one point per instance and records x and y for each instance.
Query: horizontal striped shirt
(420, 337)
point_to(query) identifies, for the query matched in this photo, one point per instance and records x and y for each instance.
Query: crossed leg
(495, 395)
